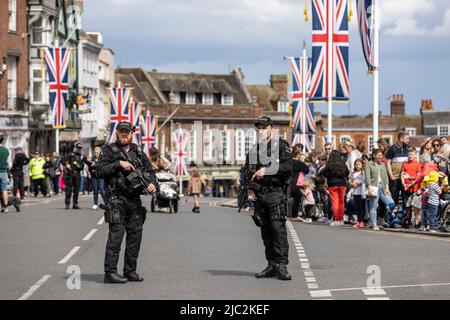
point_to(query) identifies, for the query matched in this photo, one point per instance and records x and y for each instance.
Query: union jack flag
(148, 138)
(119, 98)
(58, 60)
(135, 115)
(330, 50)
(181, 145)
(365, 24)
(297, 96)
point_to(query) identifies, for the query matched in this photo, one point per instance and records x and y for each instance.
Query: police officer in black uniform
(124, 210)
(73, 164)
(268, 166)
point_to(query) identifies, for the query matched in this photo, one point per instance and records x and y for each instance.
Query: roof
(200, 83)
(359, 123)
(435, 117)
(264, 95)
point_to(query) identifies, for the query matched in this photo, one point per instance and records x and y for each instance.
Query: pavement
(51, 253)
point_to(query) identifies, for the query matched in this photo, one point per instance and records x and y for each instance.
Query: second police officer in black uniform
(124, 211)
(269, 165)
(73, 164)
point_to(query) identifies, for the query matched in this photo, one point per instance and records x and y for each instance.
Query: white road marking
(396, 287)
(100, 222)
(374, 292)
(313, 286)
(33, 289)
(320, 294)
(90, 234)
(309, 274)
(69, 255)
(303, 260)
(305, 265)
(379, 298)
(310, 279)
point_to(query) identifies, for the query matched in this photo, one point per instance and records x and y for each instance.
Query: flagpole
(330, 70)
(376, 84)
(181, 174)
(304, 65)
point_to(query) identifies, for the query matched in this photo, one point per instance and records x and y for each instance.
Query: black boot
(114, 278)
(197, 210)
(269, 272)
(134, 277)
(283, 274)
(67, 206)
(194, 209)
(76, 206)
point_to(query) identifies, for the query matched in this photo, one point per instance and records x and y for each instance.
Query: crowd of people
(395, 186)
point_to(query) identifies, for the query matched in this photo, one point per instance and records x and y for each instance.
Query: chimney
(397, 105)
(426, 105)
(279, 82)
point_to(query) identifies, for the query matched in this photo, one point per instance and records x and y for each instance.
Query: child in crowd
(308, 201)
(431, 192)
(359, 192)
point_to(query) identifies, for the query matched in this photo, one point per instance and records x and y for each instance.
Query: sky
(212, 36)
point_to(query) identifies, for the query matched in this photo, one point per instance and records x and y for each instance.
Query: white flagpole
(304, 65)
(376, 107)
(330, 8)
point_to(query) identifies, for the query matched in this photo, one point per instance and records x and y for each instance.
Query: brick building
(14, 74)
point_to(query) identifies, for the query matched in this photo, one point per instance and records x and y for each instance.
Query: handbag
(372, 191)
(300, 179)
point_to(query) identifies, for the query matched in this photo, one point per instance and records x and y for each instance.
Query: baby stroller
(443, 219)
(166, 195)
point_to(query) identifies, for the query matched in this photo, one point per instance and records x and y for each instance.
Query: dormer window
(227, 99)
(283, 106)
(174, 97)
(208, 99)
(190, 98)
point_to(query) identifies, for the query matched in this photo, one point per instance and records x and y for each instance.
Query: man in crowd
(396, 155)
(20, 160)
(328, 148)
(37, 174)
(4, 177)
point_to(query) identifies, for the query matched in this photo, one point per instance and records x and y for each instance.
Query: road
(212, 255)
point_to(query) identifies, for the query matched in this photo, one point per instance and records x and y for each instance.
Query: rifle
(136, 177)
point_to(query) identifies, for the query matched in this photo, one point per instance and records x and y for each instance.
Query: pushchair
(166, 195)
(443, 218)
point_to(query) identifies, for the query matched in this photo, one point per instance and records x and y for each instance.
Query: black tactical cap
(79, 146)
(264, 121)
(124, 125)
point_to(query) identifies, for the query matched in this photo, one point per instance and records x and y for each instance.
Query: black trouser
(396, 188)
(296, 204)
(39, 184)
(360, 205)
(133, 226)
(271, 209)
(18, 184)
(72, 183)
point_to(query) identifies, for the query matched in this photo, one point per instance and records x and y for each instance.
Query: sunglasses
(327, 149)
(436, 145)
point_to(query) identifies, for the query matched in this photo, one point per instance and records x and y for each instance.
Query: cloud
(444, 29)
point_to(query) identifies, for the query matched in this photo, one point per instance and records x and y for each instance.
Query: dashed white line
(374, 292)
(36, 286)
(69, 255)
(90, 234)
(101, 221)
(379, 298)
(321, 294)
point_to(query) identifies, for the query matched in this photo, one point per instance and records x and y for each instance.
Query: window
(36, 33)
(250, 139)
(174, 97)
(411, 131)
(208, 99)
(282, 135)
(190, 98)
(192, 146)
(12, 81)
(370, 146)
(443, 131)
(344, 139)
(12, 14)
(283, 106)
(227, 99)
(388, 139)
(225, 142)
(207, 145)
(38, 86)
(240, 147)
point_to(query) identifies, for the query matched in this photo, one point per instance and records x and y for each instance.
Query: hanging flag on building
(365, 24)
(181, 153)
(149, 126)
(119, 98)
(135, 117)
(329, 78)
(58, 60)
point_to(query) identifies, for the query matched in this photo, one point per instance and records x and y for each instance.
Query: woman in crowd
(98, 185)
(336, 172)
(158, 162)
(383, 145)
(426, 149)
(49, 174)
(377, 185)
(438, 157)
